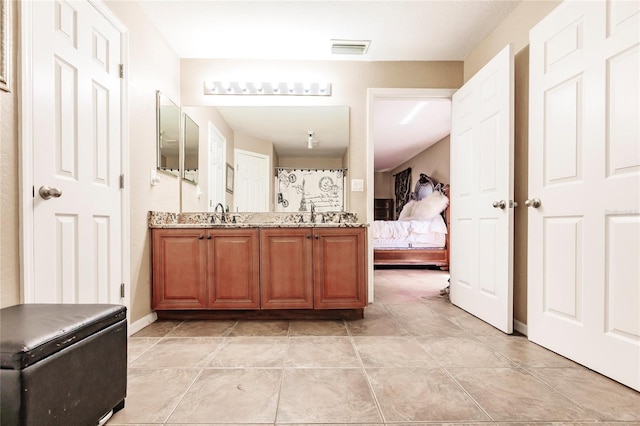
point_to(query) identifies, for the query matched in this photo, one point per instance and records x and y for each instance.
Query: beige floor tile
(136, 346)
(525, 353)
(421, 394)
(382, 325)
(381, 351)
(157, 329)
(428, 324)
(512, 394)
(463, 352)
(317, 328)
(475, 326)
(329, 351)
(178, 352)
(196, 328)
(326, 395)
(607, 399)
(260, 328)
(153, 394)
(230, 396)
(250, 351)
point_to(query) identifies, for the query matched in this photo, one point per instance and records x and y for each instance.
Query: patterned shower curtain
(402, 189)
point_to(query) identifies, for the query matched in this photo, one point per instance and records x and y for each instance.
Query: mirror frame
(189, 130)
(163, 100)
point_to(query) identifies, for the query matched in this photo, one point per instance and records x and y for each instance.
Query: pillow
(430, 207)
(407, 211)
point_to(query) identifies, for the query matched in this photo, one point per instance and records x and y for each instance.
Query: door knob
(533, 202)
(47, 192)
(500, 204)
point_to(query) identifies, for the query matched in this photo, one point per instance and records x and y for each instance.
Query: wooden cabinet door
(233, 274)
(179, 269)
(339, 268)
(286, 268)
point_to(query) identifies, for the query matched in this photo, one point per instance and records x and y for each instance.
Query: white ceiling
(302, 30)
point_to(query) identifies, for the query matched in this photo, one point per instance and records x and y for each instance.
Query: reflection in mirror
(281, 133)
(191, 145)
(168, 131)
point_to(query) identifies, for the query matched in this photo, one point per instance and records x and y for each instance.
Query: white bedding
(409, 233)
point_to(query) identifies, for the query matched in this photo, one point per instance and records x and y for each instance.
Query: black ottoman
(62, 364)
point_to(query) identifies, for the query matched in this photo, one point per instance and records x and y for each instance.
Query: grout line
(366, 375)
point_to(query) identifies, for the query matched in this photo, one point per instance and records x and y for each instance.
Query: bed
(415, 239)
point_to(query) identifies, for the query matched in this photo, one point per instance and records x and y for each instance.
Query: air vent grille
(349, 47)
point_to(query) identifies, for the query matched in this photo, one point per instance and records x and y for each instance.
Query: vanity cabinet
(339, 268)
(320, 268)
(314, 268)
(179, 269)
(205, 269)
(286, 268)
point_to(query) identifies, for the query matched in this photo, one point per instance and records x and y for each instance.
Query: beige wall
(515, 29)
(152, 66)
(310, 162)
(433, 161)
(9, 219)
(383, 186)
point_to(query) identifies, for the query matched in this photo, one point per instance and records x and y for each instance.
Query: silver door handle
(499, 204)
(47, 192)
(533, 202)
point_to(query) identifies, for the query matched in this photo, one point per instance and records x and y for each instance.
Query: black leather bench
(62, 364)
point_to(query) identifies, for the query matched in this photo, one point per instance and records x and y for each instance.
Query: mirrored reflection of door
(217, 161)
(251, 188)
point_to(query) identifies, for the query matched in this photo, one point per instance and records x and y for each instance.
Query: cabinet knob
(208, 237)
(317, 237)
(201, 237)
(308, 237)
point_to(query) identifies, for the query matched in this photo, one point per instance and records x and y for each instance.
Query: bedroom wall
(515, 29)
(433, 161)
(383, 187)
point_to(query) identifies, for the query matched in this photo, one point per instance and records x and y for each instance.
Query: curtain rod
(310, 169)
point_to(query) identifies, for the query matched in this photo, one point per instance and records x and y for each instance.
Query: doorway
(372, 96)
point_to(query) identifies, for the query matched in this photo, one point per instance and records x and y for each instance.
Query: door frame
(26, 185)
(372, 95)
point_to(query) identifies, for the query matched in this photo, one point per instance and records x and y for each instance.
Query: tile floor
(413, 359)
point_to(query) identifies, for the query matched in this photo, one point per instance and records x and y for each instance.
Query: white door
(482, 192)
(251, 192)
(73, 124)
(584, 169)
(217, 165)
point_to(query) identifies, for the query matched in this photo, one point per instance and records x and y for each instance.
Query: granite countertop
(252, 220)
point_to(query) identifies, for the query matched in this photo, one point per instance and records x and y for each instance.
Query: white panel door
(76, 119)
(217, 166)
(482, 193)
(584, 186)
(252, 179)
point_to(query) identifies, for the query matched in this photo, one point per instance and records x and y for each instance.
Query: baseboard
(134, 327)
(520, 327)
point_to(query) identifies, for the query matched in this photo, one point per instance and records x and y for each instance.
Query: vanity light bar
(258, 89)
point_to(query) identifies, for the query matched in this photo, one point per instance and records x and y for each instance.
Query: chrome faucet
(223, 219)
(313, 211)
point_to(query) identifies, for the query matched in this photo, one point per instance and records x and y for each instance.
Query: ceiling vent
(349, 47)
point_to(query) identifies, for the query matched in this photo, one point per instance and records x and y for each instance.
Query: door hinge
(122, 290)
(33, 192)
(121, 70)
(122, 181)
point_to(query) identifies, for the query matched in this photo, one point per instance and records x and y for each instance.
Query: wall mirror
(168, 134)
(191, 147)
(287, 128)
